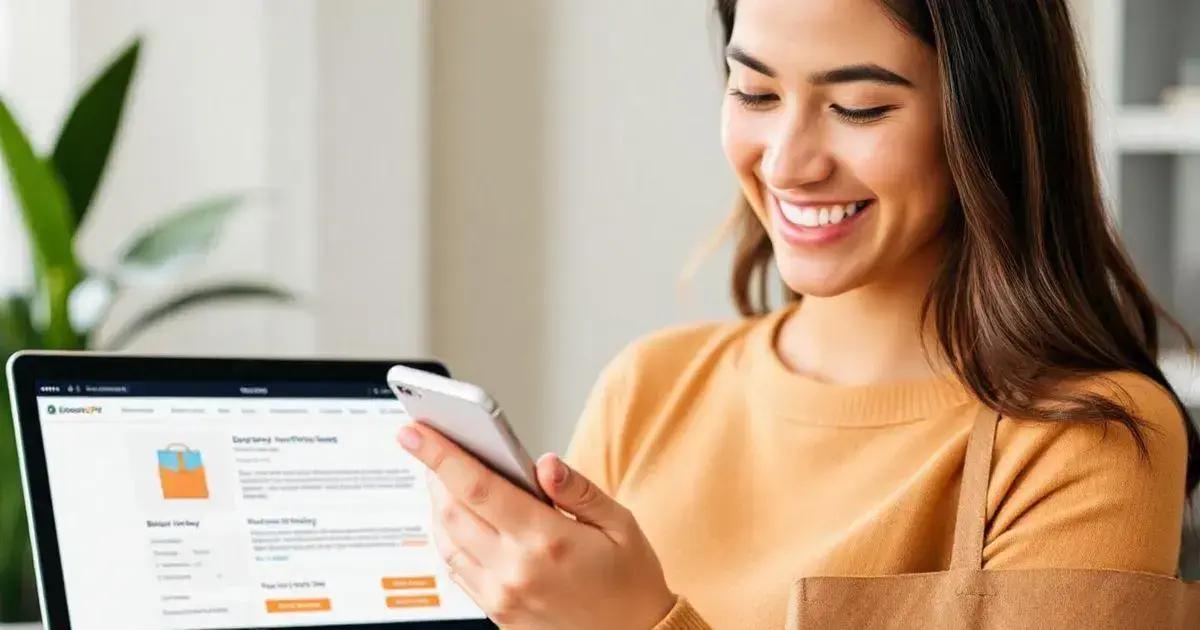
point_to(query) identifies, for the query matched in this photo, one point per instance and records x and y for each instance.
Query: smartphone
(470, 417)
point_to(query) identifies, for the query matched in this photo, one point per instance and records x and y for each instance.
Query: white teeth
(817, 216)
(792, 213)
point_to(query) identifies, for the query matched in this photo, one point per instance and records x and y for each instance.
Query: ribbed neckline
(777, 390)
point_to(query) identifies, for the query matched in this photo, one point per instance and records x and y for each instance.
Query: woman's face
(833, 126)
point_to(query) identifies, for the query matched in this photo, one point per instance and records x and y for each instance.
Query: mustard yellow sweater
(745, 475)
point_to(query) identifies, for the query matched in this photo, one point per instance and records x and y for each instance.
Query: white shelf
(1150, 129)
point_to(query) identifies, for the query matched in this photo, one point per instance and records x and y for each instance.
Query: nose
(795, 157)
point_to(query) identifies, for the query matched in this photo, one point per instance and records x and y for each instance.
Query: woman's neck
(872, 334)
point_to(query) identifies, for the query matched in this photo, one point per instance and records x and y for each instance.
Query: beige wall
(576, 166)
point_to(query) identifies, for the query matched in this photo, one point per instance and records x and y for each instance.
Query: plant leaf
(44, 203)
(13, 553)
(192, 299)
(56, 285)
(47, 216)
(86, 139)
(183, 235)
(16, 327)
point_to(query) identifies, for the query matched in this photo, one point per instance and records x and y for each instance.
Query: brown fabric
(967, 596)
(682, 617)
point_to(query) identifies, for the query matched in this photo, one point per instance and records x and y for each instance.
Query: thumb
(575, 494)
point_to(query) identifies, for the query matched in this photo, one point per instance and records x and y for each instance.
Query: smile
(817, 223)
(818, 216)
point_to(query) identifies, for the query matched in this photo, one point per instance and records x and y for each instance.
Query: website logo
(85, 410)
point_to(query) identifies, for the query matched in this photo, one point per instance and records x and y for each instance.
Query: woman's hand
(527, 564)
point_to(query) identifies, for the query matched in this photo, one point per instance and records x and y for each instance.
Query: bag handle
(970, 525)
(177, 446)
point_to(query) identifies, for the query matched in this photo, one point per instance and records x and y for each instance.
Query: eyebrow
(736, 53)
(861, 72)
(845, 74)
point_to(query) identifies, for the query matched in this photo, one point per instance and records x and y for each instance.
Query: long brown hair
(1035, 288)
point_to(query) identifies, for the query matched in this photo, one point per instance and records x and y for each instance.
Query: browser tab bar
(216, 389)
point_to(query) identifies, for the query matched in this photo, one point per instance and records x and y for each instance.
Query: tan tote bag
(966, 596)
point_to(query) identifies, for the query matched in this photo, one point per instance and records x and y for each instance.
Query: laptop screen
(237, 505)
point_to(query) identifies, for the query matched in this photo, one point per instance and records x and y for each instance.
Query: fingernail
(410, 439)
(560, 471)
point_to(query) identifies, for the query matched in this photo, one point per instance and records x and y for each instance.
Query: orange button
(298, 605)
(413, 601)
(416, 581)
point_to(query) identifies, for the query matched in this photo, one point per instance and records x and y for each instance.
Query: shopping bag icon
(181, 473)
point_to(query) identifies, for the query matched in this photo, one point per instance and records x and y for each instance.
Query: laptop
(226, 493)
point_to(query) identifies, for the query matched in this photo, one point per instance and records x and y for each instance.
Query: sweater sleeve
(1074, 495)
(591, 451)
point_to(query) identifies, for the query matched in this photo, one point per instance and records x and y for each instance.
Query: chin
(816, 280)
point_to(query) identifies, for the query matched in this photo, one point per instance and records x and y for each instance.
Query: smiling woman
(960, 404)
(820, 125)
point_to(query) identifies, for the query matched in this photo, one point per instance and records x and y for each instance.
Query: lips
(813, 224)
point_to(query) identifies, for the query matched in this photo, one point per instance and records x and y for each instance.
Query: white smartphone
(470, 417)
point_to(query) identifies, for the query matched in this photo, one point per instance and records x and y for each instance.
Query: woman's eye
(861, 115)
(754, 101)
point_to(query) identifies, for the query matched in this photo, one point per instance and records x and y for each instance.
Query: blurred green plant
(66, 303)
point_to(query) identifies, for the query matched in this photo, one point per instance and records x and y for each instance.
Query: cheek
(905, 166)
(742, 141)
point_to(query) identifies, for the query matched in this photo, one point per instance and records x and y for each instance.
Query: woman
(921, 172)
